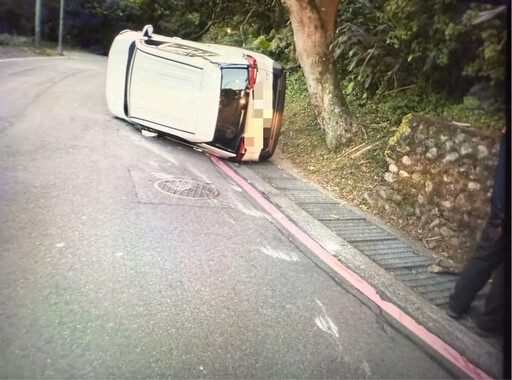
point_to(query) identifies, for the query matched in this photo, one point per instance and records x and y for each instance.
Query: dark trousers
(488, 257)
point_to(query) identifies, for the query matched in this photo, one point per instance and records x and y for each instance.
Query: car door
(173, 93)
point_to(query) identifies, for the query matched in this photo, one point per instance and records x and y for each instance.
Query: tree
(313, 23)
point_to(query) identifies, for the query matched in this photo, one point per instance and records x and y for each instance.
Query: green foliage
(17, 17)
(264, 28)
(489, 61)
(486, 114)
(389, 44)
(404, 126)
(300, 126)
(281, 46)
(13, 40)
(402, 56)
(261, 43)
(224, 35)
(296, 85)
(390, 107)
(186, 19)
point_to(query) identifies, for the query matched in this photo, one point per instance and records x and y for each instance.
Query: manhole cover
(186, 189)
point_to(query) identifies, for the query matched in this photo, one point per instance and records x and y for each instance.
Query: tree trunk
(313, 31)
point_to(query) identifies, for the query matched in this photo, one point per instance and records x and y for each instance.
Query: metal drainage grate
(329, 211)
(186, 189)
(308, 196)
(289, 184)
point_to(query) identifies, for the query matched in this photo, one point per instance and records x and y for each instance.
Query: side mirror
(147, 31)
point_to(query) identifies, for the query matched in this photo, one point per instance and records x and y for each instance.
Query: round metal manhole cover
(186, 189)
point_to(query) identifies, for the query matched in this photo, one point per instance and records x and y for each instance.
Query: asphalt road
(102, 275)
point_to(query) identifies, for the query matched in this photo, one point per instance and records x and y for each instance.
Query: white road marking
(325, 323)
(366, 368)
(251, 211)
(287, 256)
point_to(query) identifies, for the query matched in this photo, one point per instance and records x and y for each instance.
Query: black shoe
(453, 314)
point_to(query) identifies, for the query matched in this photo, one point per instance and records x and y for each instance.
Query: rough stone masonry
(441, 173)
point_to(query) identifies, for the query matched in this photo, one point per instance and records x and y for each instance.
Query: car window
(232, 105)
(234, 78)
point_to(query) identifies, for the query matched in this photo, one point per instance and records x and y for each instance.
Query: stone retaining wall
(440, 173)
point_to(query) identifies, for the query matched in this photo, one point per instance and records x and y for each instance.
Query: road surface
(102, 275)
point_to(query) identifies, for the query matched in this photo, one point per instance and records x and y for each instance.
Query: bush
(440, 46)
(485, 114)
(14, 40)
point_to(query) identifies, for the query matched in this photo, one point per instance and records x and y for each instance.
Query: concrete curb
(473, 347)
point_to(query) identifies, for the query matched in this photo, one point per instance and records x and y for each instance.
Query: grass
(349, 172)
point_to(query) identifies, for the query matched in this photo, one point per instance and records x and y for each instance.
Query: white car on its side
(226, 100)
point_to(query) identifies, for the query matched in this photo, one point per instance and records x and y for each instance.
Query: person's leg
(488, 255)
(493, 316)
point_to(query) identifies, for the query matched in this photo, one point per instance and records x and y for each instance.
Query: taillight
(241, 150)
(252, 70)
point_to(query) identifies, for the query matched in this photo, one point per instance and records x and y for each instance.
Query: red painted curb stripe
(433, 341)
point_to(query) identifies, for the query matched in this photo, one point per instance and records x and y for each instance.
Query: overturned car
(227, 101)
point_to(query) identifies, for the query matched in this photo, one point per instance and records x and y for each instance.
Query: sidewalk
(389, 261)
